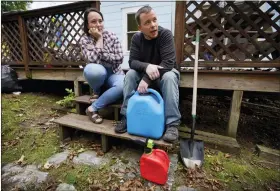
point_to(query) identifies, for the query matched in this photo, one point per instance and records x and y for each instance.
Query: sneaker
(171, 134)
(121, 126)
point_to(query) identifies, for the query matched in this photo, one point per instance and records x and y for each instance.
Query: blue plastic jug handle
(150, 90)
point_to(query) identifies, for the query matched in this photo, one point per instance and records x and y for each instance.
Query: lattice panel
(54, 38)
(11, 50)
(233, 30)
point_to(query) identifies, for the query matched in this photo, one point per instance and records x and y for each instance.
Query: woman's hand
(95, 33)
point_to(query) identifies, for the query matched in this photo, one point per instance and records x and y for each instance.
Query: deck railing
(232, 33)
(44, 38)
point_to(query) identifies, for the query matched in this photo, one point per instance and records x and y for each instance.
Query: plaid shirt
(110, 56)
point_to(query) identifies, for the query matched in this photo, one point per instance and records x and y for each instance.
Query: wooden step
(85, 100)
(106, 129)
(269, 154)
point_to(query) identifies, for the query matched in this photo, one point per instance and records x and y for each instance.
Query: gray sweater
(158, 51)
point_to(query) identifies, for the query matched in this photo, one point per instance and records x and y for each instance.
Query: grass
(21, 135)
(82, 176)
(238, 172)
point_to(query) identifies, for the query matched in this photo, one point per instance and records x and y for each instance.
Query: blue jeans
(97, 76)
(169, 87)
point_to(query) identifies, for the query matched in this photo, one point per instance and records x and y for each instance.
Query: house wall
(112, 12)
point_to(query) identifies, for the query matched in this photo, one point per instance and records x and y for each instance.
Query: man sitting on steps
(152, 59)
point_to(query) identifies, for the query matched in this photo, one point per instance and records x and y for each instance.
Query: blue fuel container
(145, 115)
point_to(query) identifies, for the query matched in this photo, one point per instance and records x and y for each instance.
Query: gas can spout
(149, 146)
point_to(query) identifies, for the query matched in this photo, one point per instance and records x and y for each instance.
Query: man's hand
(142, 87)
(95, 33)
(152, 71)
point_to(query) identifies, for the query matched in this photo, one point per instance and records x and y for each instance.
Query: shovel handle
(195, 74)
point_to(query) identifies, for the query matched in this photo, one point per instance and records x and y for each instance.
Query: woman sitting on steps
(103, 53)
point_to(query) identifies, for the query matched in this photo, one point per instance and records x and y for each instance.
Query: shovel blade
(192, 157)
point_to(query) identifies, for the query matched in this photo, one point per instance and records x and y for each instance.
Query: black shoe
(171, 134)
(121, 126)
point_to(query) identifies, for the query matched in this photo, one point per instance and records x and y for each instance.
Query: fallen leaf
(95, 187)
(81, 150)
(47, 165)
(67, 140)
(218, 162)
(99, 153)
(122, 170)
(89, 180)
(72, 155)
(227, 155)
(20, 161)
(214, 188)
(127, 184)
(11, 142)
(109, 179)
(138, 183)
(124, 189)
(152, 188)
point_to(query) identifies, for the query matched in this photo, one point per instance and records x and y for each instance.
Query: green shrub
(68, 101)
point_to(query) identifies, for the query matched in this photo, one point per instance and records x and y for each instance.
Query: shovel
(192, 151)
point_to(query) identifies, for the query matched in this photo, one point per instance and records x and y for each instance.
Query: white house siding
(112, 12)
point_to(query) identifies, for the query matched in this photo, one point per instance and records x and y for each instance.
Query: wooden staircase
(80, 121)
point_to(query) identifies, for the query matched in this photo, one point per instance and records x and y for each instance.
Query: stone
(130, 175)
(172, 169)
(30, 174)
(65, 187)
(89, 158)
(11, 169)
(22, 177)
(58, 158)
(185, 188)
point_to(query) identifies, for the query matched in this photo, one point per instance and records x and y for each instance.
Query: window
(129, 26)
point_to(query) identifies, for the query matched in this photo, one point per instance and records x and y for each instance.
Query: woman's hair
(88, 10)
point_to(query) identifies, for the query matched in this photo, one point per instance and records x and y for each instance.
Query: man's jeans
(97, 75)
(169, 88)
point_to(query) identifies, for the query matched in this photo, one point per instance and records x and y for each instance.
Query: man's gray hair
(145, 9)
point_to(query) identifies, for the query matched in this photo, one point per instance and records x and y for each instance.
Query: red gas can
(154, 166)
